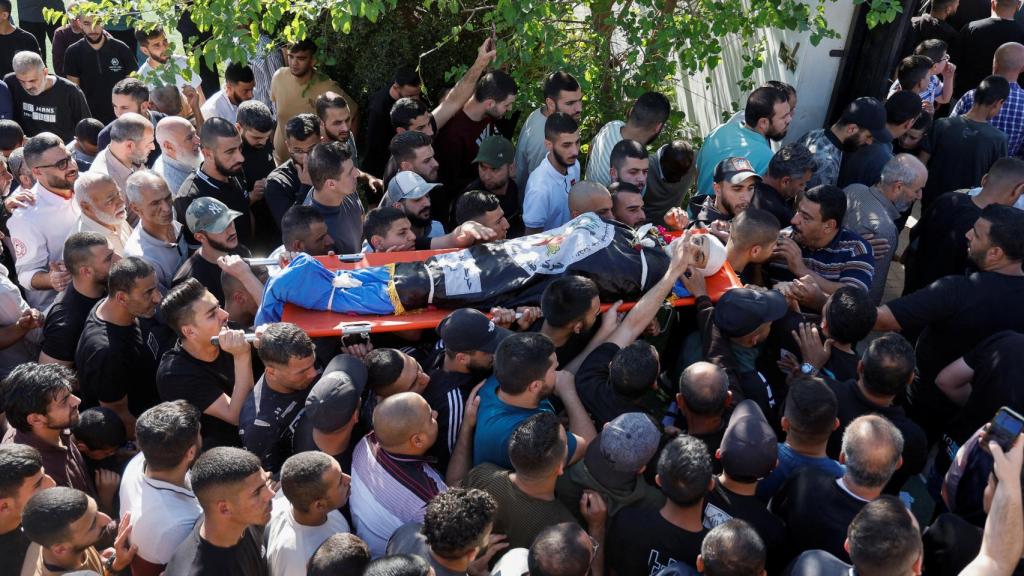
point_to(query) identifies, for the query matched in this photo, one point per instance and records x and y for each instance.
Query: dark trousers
(42, 31)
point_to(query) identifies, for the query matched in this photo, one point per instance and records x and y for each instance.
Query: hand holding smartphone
(1004, 429)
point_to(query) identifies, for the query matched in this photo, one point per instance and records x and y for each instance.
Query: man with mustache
(734, 183)
(131, 141)
(214, 226)
(103, 210)
(44, 102)
(546, 202)
(862, 123)
(179, 142)
(96, 63)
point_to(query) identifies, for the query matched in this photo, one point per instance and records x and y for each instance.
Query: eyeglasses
(61, 164)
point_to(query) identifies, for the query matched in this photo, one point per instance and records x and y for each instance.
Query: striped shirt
(848, 259)
(1009, 121)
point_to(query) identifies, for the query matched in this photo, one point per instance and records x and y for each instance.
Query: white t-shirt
(290, 545)
(12, 305)
(163, 514)
(546, 202)
(179, 80)
(218, 105)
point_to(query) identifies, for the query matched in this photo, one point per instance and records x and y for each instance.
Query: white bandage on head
(712, 256)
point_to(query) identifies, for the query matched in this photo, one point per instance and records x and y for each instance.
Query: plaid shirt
(1009, 121)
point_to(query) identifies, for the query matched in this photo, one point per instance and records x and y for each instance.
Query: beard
(563, 161)
(418, 221)
(777, 136)
(111, 219)
(227, 170)
(850, 144)
(222, 246)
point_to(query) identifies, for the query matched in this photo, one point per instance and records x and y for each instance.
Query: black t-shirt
(998, 364)
(977, 45)
(864, 166)
(197, 557)
(963, 150)
(938, 243)
(302, 441)
(595, 390)
(573, 346)
(722, 505)
(56, 110)
(259, 163)
(768, 198)
(206, 272)
(284, 190)
(10, 44)
(816, 511)
(643, 542)
(447, 394)
(117, 361)
(511, 205)
(198, 184)
(64, 321)
(98, 71)
(267, 421)
(820, 563)
(13, 546)
(181, 376)
(950, 544)
(378, 131)
(841, 365)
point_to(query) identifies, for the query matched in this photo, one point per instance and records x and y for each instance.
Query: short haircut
(146, 33)
(30, 388)
(889, 363)
(302, 126)
(559, 123)
(495, 85)
(297, 221)
(126, 272)
(342, 553)
(474, 204)
(883, 538)
(132, 87)
(78, 249)
(521, 359)
(701, 394)
(142, 179)
(559, 550)
(176, 306)
(49, 514)
(221, 467)
(131, 127)
(255, 115)
(861, 441)
(455, 521)
(11, 134)
(214, 129)
(100, 428)
(166, 99)
(792, 160)
(236, 72)
(27, 61)
(754, 227)
(403, 146)
(16, 162)
(932, 48)
(302, 478)
(676, 160)
(18, 462)
(536, 446)
(324, 103)
(282, 341)
(733, 548)
(1007, 171)
(558, 82)
(684, 470)
(902, 169)
(991, 90)
(305, 45)
(398, 565)
(379, 220)
(786, 87)
(902, 106)
(912, 70)
(924, 121)
(87, 130)
(634, 369)
(1006, 229)
(567, 300)
(832, 202)
(406, 76)
(383, 367)
(851, 315)
(166, 432)
(761, 104)
(405, 110)
(5, 6)
(626, 149)
(811, 407)
(649, 110)
(325, 162)
(38, 145)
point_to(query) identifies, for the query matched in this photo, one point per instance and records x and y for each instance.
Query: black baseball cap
(735, 169)
(869, 113)
(469, 330)
(740, 311)
(749, 446)
(335, 397)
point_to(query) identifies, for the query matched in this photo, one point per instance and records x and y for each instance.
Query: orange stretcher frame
(321, 323)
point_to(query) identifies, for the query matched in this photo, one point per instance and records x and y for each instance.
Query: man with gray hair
(102, 209)
(875, 210)
(44, 102)
(158, 237)
(131, 141)
(179, 143)
(818, 507)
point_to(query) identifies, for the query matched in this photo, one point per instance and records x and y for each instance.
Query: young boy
(84, 147)
(99, 434)
(387, 229)
(928, 72)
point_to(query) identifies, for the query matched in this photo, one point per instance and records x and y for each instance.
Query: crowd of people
(810, 422)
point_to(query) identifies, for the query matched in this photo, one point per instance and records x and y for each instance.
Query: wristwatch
(808, 369)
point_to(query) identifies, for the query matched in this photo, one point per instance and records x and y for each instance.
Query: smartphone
(1004, 429)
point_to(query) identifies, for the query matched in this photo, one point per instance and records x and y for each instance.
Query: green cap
(209, 215)
(496, 151)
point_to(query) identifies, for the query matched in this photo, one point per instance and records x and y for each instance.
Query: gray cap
(408, 185)
(209, 215)
(624, 446)
(335, 397)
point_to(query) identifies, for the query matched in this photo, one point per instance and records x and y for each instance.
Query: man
(303, 230)
(495, 171)
(289, 184)
(131, 95)
(213, 225)
(410, 193)
(703, 399)
(818, 507)
(586, 196)
(649, 540)
(332, 411)
(570, 309)
(391, 479)
(96, 63)
(412, 151)
(88, 258)
(38, 231)
(388, 229)
(158, 238)
(102, 210)
(336, 121)
(862, 122)
(403, 84)
(734, 181)
(965, 147)
(788, 172)
(938, 243)
(65, 525)
(154, 46)
(644, 123)
(562, 93)
(752, 237)
(14, 40)
(629, 164)
(484, 209)
(766, 119)
(21, 476)
(266, 422)
(340, 554)
(545, 205)
(179, 143)
(315, 488)
(876, 210)
(933, 24)
(866, 164)
(236, 500)
(820, 247)
(215, 378)
(131, 141)
(333, 176)
(255, 123)
(733, 547)
(980, 40)
(1008, 62)
(295, 89)
(239, 82)
(44, 102)
(669, 179)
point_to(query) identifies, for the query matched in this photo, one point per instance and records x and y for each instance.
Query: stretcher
(319, 324)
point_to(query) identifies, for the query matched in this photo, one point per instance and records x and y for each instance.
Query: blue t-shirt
(495, 423)
(790, 462)
(731, 139)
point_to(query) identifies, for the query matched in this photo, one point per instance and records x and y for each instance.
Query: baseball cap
(735, 169)
(749, 446)
(740, 311)
(496, 151)
(868, 113)
(624, 446)
(408, 185)
(209, 215)
(335, 397)
(468, 330)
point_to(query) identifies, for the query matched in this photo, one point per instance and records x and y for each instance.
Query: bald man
(179, 142)
(102, 209)
(587, 196)
(702, 399)
(752, 236)
(1008, 62)
(391, 480)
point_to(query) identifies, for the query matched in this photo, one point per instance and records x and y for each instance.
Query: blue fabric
(307, 283)
(730, 139)
(496, 421)
(789, 463)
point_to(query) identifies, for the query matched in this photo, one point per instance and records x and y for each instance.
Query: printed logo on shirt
(20, 250)
(115, 65)
(713, 516)
(40, 113)
(153, 345)
(656, 565)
